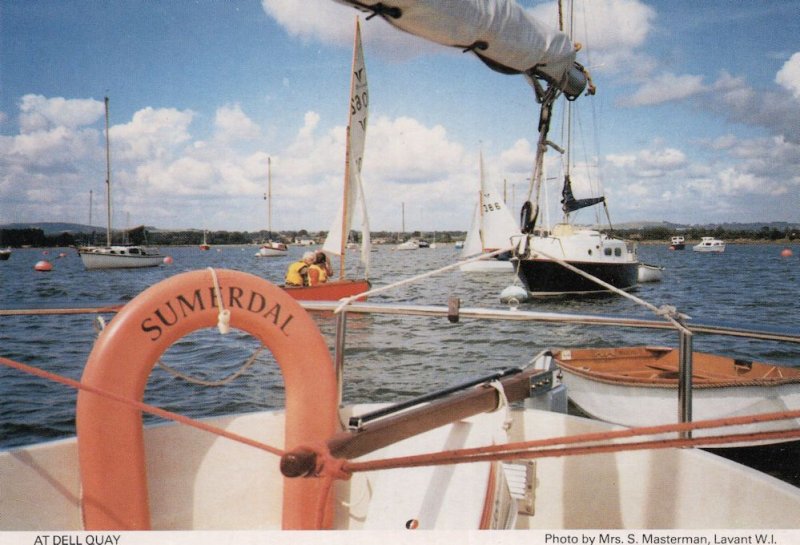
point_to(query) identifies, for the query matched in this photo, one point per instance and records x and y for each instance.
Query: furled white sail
(493, 225)
(500, 32)
(336, 240)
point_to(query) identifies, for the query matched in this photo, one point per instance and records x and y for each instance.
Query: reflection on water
(388, 357)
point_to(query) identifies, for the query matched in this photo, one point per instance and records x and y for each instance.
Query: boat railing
(454, 313)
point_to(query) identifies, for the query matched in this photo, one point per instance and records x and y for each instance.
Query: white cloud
(151, 133)
(233, 124)
(519, 157)
(39, 113)
(789, 75)
(605, 26)
(665, 88)
(327, 22)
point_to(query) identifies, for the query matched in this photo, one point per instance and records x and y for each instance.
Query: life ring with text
(110, 435)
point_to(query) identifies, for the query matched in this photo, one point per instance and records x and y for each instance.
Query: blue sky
(696, 119)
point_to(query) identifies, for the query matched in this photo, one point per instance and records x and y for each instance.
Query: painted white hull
(650, 273)
(408, 245)
(488, 266)
(272, 251)
(120, 257)
(634, 406)
(709, 249)
(709, 244)
(200, 482)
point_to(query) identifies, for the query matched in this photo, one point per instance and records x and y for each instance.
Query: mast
(268, 196)
(481, 205)
(352, 109)
(108, 181)
(352, 190)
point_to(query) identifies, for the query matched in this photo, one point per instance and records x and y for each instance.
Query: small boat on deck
(650, 273)
(710, 245)
(677, 243)
(637, 386)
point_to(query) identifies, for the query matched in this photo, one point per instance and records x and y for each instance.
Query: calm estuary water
(389, 358)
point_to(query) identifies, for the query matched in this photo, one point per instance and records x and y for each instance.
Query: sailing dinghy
(353, 193)
(493, 228)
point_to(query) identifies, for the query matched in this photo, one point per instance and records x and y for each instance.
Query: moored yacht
(610, 259)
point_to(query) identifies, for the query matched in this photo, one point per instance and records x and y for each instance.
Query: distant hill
(55, 228)
(733, 226)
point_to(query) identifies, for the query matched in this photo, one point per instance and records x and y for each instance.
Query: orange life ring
(110, 435)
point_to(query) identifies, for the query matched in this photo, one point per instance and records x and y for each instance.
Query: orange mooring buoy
(168, 260)
(43, 266)
(786, 252)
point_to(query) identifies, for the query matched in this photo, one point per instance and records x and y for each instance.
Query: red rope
(331, 468)
(168, 415)
(541, 448)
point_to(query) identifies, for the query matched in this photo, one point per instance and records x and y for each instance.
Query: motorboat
(709, 244)
(677, 243)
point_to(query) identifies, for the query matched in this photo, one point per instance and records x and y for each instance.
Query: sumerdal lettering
(171, 312)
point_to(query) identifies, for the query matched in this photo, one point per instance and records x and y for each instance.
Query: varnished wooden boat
(638, 386)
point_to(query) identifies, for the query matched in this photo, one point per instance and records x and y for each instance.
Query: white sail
(356, 137)
(472, 243)
(499, 32)
(493, 225)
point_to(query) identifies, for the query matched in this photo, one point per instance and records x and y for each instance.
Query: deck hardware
(541, 383)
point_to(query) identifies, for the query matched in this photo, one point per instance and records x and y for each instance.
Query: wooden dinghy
(638, 386)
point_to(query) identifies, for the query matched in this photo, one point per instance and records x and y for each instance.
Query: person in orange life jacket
(297, 273)
(320, 270)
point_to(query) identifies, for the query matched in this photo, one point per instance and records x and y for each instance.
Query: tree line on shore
(35, 237)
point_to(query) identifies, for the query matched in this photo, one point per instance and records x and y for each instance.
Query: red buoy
(786, 252)
(168, 260)
(43, 266)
